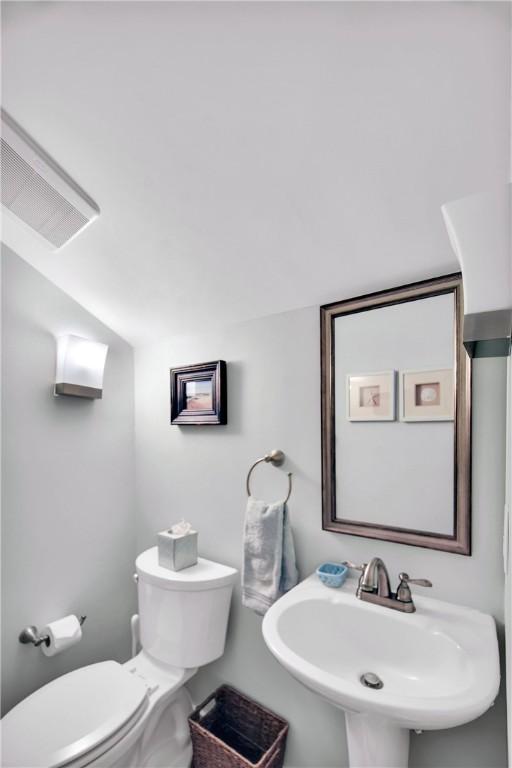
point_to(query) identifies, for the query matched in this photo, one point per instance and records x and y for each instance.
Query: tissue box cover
(177, 551)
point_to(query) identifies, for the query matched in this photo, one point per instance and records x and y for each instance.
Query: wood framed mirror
(396, 416)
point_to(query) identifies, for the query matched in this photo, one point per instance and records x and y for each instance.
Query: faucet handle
(403, 592)
(355, 567)
(404, 578)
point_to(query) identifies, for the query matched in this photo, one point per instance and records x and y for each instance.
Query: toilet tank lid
(206, 574)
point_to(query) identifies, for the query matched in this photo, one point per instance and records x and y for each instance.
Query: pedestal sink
(438, 667)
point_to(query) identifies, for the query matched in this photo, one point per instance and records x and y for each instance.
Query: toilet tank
(183, 614)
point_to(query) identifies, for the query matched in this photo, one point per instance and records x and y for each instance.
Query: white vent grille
(38, 192)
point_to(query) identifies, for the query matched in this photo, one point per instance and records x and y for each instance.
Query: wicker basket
(231, 731)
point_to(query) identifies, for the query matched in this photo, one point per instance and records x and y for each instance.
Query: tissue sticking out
(181, 528)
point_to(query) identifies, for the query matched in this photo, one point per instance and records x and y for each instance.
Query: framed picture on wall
(371, 396)
(427, 395)
(199, 394)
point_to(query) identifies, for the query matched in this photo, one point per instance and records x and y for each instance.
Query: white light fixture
(480, 232)
(80, 366)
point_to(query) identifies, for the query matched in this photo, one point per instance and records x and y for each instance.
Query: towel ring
(275, 457)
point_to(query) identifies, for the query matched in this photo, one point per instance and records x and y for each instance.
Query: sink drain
(371, 680)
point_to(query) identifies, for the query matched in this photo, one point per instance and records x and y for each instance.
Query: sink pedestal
(376, 742)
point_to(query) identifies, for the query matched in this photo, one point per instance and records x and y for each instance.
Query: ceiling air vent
(38, 192)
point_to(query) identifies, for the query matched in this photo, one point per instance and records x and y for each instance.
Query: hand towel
(269, 568)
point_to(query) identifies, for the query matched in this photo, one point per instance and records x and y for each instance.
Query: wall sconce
(480, 232)
(80, 365)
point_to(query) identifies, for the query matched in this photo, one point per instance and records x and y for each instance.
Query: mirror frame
(460, 542)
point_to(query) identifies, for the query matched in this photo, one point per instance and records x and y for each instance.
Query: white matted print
(427, 395)
(371, 396)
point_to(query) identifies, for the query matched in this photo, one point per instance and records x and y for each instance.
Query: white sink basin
(439, 666)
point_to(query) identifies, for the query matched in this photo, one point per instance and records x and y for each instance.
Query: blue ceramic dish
(332, 574)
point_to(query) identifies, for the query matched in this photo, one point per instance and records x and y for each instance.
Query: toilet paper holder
(31, 635)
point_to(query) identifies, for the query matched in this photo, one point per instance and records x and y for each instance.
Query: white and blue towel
(269, 568)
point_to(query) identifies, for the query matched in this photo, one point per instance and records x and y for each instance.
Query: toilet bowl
(132, 715)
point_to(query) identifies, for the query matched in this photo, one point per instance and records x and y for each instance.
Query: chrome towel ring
(275, 457)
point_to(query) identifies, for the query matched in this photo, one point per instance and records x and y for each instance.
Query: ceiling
(251, 158)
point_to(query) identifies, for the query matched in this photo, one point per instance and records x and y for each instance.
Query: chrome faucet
(374, 586)
(375, 579)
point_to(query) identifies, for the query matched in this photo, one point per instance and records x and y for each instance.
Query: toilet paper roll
(63, 633)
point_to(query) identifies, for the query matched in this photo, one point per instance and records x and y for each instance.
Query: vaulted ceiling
(250, 158)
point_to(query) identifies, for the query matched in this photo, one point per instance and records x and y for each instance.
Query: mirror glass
(404, 467)
(396, 416)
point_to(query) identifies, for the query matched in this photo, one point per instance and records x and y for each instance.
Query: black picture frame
(215, 407)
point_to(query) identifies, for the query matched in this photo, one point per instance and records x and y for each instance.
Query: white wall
(68, 486)
(199, 473)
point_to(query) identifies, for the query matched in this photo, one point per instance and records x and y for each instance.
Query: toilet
(132, 715)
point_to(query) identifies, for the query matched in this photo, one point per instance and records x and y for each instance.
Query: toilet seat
(74, 716)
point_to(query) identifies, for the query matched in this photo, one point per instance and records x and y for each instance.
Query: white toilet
(131, 715)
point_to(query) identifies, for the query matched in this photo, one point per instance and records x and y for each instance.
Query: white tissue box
(177, 551)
